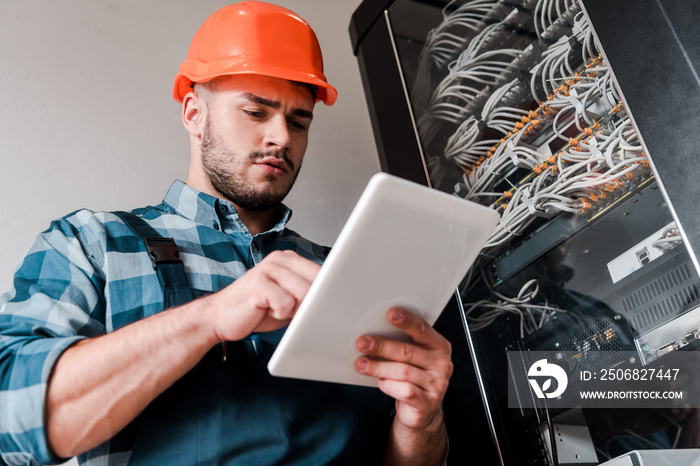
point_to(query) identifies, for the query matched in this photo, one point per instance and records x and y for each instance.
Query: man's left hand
(415, 374)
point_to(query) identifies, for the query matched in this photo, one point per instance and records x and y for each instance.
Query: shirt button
(223, 209)
(216, 226)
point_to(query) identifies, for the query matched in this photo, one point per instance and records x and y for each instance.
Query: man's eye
(297, 125)
(254, 113)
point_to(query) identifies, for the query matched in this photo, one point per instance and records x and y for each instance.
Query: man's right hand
(101, 384)
(264, 299)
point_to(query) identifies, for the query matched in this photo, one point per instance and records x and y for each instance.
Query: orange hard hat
(254, 38)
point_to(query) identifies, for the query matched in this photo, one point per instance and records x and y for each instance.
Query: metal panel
(653, 48)
(397, 144)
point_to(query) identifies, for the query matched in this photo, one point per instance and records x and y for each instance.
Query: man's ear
(193, 114)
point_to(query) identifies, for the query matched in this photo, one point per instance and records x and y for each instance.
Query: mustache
(278, 154)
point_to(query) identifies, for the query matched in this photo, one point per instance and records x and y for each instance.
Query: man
(142, 338)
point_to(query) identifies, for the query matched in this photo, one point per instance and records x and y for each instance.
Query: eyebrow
(274, 104)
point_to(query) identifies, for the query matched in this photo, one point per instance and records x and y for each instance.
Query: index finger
(294, 262)
(417, 328)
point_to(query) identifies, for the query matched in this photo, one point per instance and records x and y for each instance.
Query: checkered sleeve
(55, 301)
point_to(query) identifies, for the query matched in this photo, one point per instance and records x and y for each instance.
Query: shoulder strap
(162, 251)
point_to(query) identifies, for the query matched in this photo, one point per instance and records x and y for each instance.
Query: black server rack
(577, 121)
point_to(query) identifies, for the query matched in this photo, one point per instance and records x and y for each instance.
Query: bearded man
(142, 337)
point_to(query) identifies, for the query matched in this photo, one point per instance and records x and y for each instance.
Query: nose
(277, 133)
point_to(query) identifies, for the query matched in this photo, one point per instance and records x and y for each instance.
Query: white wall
(87, 118)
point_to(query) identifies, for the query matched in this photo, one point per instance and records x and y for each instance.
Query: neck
(257, 222)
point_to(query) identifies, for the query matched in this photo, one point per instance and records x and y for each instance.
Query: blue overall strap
(165, 257)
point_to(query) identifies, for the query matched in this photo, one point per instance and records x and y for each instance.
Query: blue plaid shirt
(88, 275)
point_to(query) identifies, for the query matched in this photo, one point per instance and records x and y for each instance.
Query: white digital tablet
(403, 245)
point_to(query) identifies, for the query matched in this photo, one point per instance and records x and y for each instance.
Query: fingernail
(364, 344)
(398, 315)
(362, 364)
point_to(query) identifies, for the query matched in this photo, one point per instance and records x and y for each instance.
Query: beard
(219, 166)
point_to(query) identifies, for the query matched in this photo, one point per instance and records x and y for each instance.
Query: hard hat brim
(184, 80)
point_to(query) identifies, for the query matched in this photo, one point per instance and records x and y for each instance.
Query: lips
(273, 165)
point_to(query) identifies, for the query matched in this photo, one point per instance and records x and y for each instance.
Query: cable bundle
(532, 309)
(470, 78)
(537, 128)
(447, 41)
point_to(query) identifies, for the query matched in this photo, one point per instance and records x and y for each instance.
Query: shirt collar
(206, 210)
